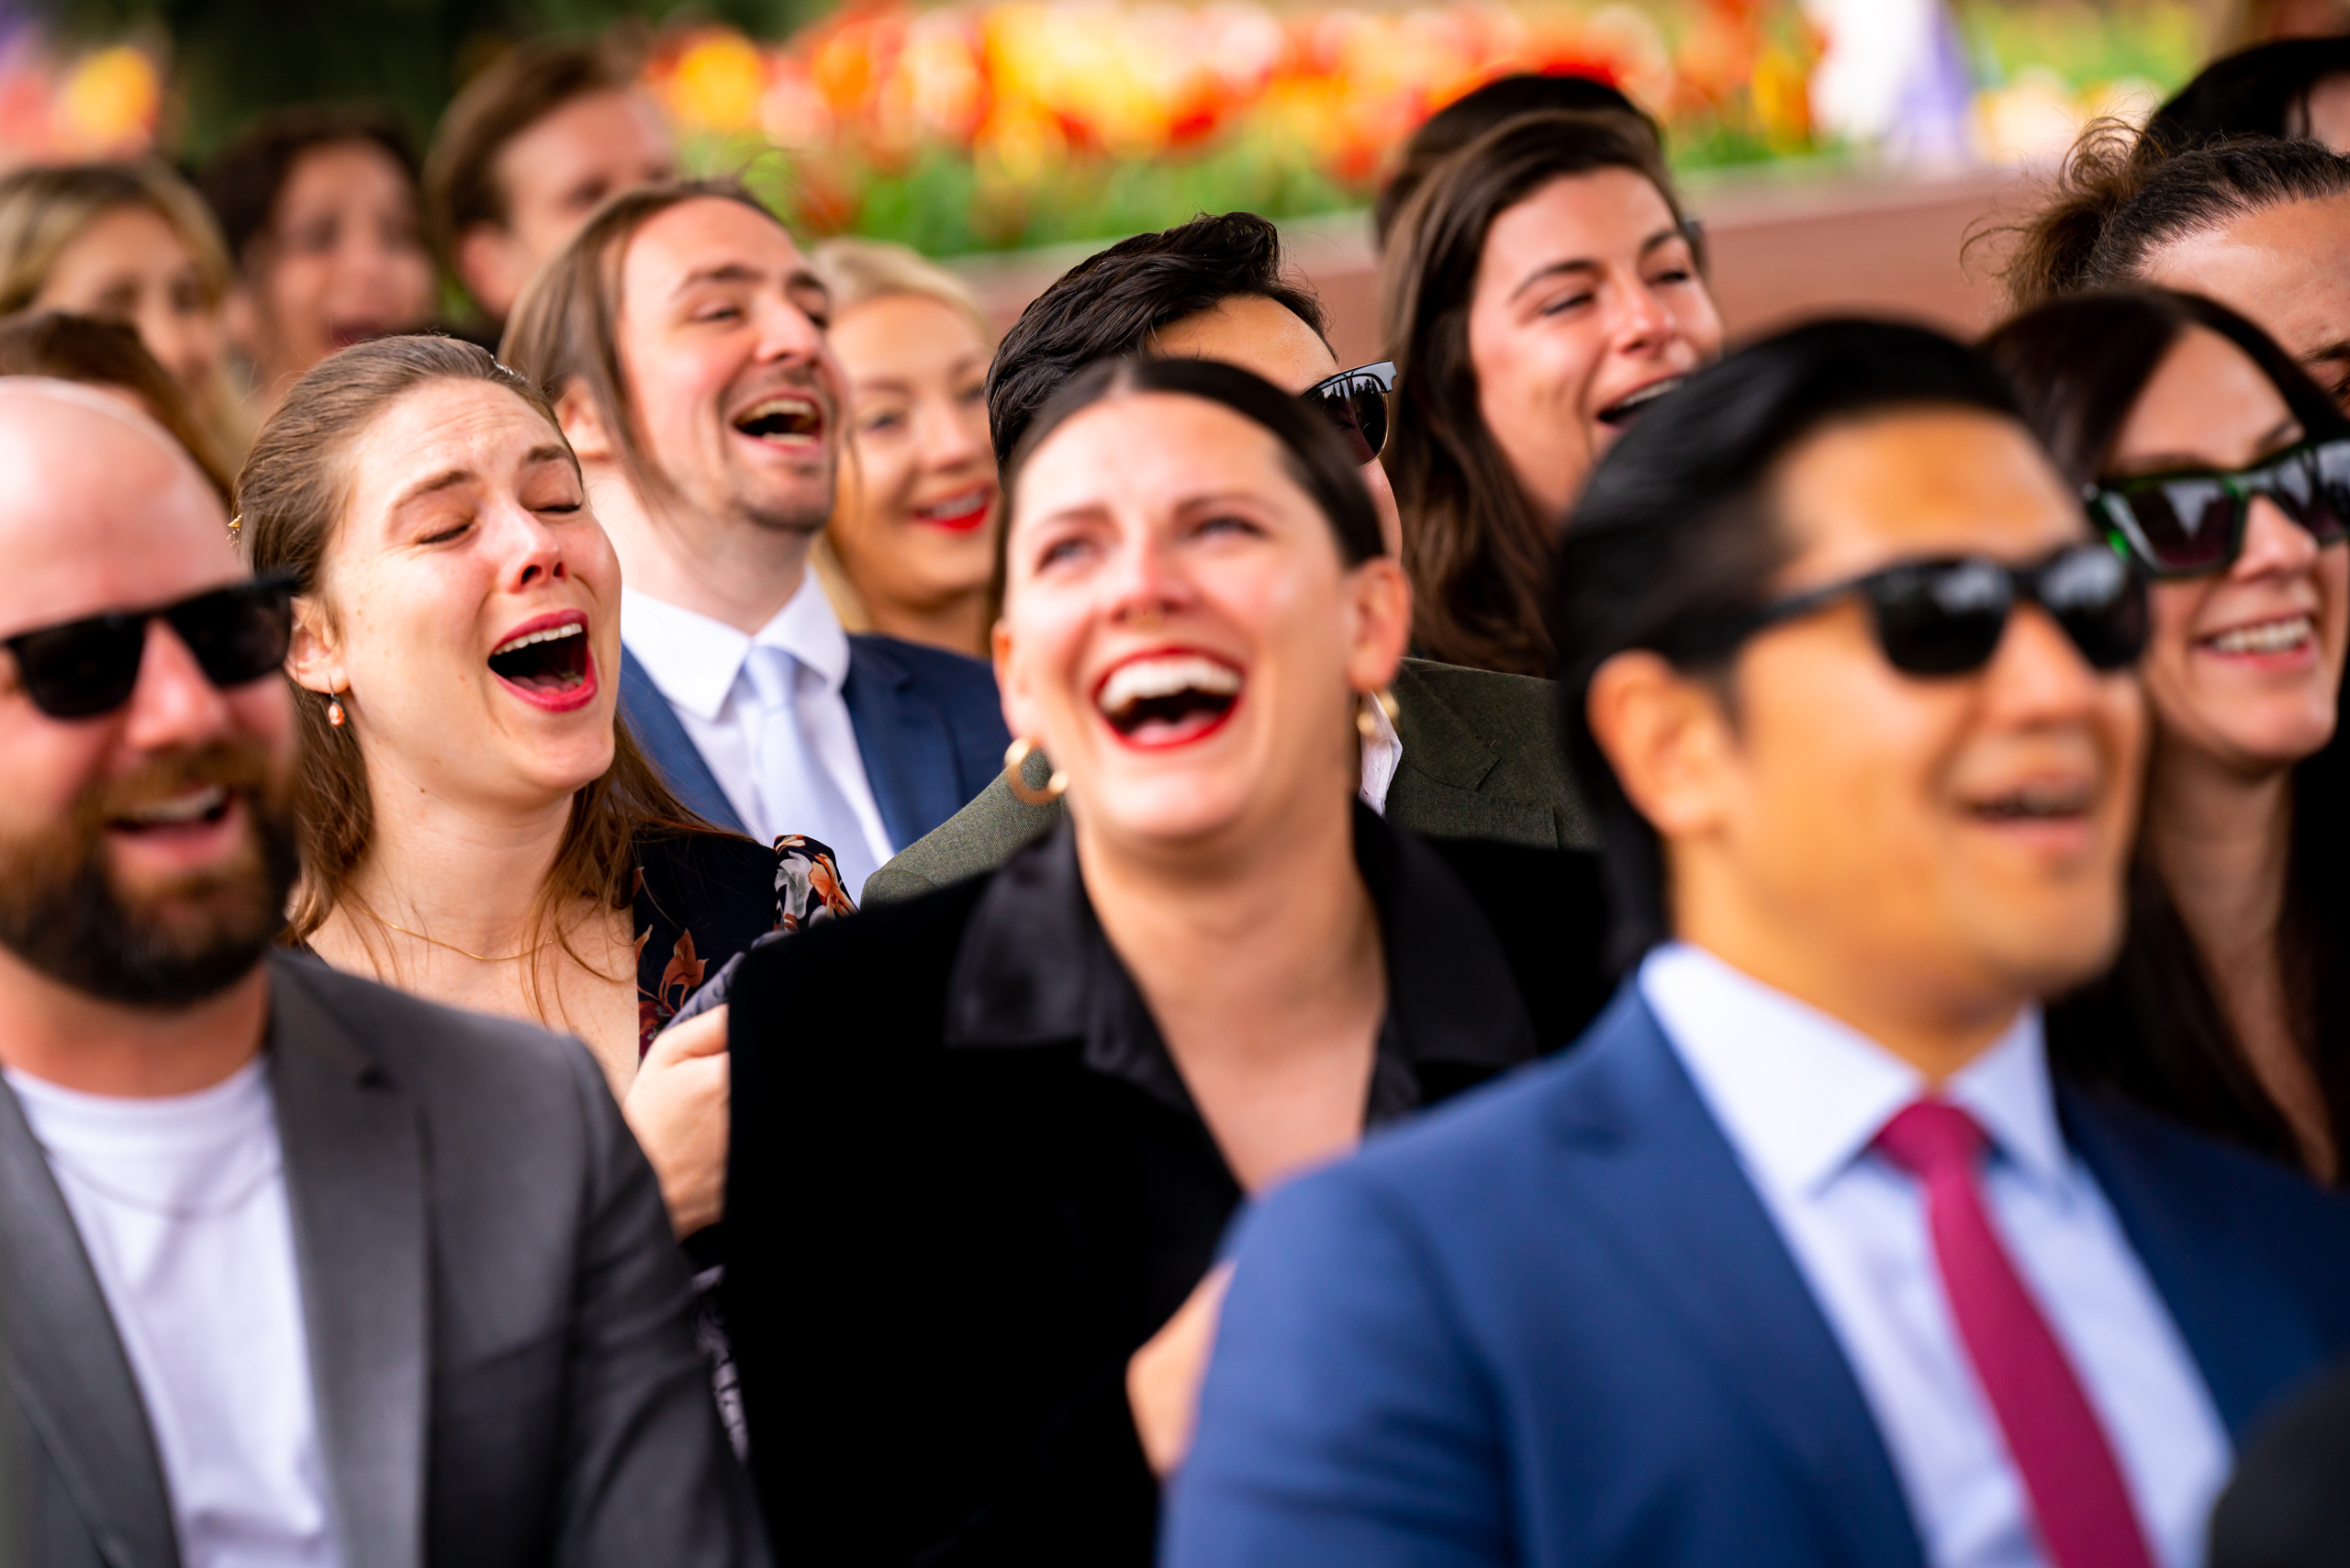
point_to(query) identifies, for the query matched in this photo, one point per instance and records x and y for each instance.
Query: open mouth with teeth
(957, 513)
(200, 808)
(786, 418)
(1165, 699)
(2286, 634)
(548, 665)
(1632, 405)
(2053, 803)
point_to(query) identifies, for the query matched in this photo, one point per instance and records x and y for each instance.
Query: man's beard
(165, 945)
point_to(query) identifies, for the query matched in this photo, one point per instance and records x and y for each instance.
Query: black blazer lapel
(1438, 786)
(654, 724)
(66, 1365)
(355, 1178)
(1658, 1176)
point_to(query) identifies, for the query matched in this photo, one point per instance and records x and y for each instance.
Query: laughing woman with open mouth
(986, 1140)
(475, 826)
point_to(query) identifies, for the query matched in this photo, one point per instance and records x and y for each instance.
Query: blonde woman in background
(913, 535)
(128, 242)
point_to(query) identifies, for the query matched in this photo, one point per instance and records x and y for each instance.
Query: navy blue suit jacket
(929, 725)
(1553, 1323)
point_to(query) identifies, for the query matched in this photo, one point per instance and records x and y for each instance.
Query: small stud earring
(335, 714)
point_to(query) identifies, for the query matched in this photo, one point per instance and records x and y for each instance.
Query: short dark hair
(514, 93)
(1112, 304)
(244, 182)
(2260, 90)
(2079, 362)
(2121, 198)
(1676, 541)
(1477, 550)
(1311, 449)
(1473, 114)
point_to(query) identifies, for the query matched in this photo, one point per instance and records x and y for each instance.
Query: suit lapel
(66, 1365)
(2249, 1339)
(909, 754)
(1664, 1186)
(355, 1178)
(1446, 763)
(654, 726)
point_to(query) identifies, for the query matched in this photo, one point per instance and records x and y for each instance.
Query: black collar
(1035, 968)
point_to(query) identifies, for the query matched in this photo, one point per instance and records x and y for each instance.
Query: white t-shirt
(181, 1204)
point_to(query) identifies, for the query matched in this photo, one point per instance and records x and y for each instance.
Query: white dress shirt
(699, 664)
(1382, 753)
(181, 1204)
(1801, 1097)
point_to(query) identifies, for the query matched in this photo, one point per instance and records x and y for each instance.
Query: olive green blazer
(1481, 760)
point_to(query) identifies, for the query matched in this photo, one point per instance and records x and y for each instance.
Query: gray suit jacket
(500, 1340)
(1481, 760)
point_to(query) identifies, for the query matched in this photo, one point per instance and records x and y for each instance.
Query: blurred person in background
(301, 1269)
(128, 243)
(1542, 289)
(986, 1140)
(2224, 471)
(542, 137)
(2263, 227)
(1474, 113)
(2293, 87)
(1465, 754)
(476, 827)
(1803, 1255)
(109, 354)
(681, 335)
(912, 534)
(319, 209)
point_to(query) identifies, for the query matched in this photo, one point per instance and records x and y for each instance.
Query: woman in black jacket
(986, 1141)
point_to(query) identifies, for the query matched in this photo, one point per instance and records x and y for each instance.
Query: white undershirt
(181, 1204)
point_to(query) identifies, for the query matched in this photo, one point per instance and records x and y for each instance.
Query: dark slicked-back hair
(2260, 90)
(1114, 304)
(2117, 200)
(1473, 114)
(243, 182)
(1675, 540)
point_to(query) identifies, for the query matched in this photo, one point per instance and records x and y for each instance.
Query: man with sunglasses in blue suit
(296, 1268)
(1801, 1257)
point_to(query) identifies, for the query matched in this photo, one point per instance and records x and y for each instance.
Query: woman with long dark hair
(2210, 459)
(1539, 288)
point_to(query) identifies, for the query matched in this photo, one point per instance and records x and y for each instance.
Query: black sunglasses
(82, 668)
(2191, 523)
(1356, 402)
(1946, 616)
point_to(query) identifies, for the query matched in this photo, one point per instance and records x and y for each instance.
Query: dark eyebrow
(424, 487)
(1585, 264)
(2340, 349)
(725, 271)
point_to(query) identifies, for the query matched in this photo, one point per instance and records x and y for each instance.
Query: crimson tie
(2069, 1469)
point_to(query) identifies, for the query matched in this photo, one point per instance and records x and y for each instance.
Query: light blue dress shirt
(1801, 1097)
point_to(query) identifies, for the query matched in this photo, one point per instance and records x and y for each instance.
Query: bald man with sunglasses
(299, 1269)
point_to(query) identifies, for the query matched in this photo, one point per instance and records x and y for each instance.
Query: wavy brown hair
(1478, 553)
(291, 495)
(2120, 197)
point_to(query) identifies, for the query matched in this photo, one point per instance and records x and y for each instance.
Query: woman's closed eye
(445, 530)
(1227, 524)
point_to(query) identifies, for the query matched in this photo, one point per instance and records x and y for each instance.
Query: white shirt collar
(696, 660)
(1801, 1095)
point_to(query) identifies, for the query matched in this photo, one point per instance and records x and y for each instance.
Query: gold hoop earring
(1014, 756)
(1365, 725)
(335, 714)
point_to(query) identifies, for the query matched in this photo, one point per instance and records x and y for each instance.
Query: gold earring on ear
(335, 716)
(1365, 724)
(1014, 756)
